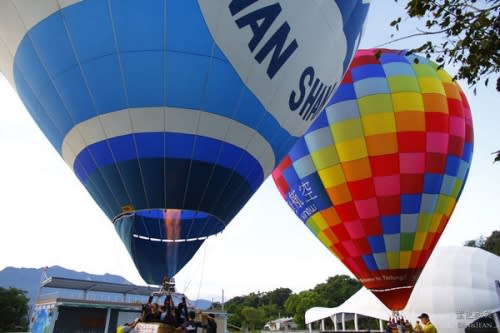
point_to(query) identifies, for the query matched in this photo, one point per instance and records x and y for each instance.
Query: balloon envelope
(175, 105)
(377, 175)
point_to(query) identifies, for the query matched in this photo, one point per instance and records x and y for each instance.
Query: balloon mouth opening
(394, 298)
(166, 240)
(171, 225)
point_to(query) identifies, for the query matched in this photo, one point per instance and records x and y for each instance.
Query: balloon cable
(203, 261)
(195, 268)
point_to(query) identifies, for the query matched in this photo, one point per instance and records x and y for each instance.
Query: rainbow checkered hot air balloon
(376, 177)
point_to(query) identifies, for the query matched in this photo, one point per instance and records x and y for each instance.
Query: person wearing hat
(428, 327)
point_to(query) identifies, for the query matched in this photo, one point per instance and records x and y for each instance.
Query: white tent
(457, 286)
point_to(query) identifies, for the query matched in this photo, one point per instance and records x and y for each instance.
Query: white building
(457, 286)
(281, 324)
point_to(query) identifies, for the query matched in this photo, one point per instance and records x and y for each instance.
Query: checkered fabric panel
(391, 152)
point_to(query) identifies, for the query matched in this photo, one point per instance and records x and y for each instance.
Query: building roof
(281, 320)
(457, 286)
(86, 285)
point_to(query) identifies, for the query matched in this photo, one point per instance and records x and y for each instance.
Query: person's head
(211, 315)
(424, 317)
(154, 307)
(146, 308)
(191, 314)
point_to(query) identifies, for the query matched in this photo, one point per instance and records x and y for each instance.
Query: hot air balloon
(377, 175)
(172, 113)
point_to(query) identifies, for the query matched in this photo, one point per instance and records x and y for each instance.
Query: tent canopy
(458, 286)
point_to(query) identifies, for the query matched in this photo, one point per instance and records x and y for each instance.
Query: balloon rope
(190, 274)
(202, 268)
(188, 281)
(193, 272)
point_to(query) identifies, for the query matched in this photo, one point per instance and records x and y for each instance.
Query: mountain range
(28, 279)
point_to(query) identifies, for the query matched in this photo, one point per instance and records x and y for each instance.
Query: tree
(299, 304)
(279, 296)
(13, 310)
(337, 290)
(235, 319)
(252, 300)
(470, 243)
(270, 305)
(490, 244)
(271, 311)
(292, 303)
(471, 31)
(255, 309)
(476, 242)
(254, 317)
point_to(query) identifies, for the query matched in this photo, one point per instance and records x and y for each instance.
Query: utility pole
(222, 300)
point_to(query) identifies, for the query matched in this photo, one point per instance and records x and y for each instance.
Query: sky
(48, 218)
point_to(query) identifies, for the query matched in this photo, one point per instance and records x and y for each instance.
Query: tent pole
(343, 321)
(497, 321)
(108, 320)
(335, 322)
(355, 321)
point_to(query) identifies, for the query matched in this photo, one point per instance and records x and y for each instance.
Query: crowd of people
(181, 319)
(398, 324)
(178, 317)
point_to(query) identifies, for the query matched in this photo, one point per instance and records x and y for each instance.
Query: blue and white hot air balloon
(173, 112)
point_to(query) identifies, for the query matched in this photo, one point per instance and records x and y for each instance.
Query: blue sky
(49, 219)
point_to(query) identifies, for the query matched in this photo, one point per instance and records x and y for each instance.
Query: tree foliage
(255, 309)
(471, 31)
(299, 304)
(490, 244)
(337, 289)
(279, 296)
(271, 304)
(254, 317)
(13, 310)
